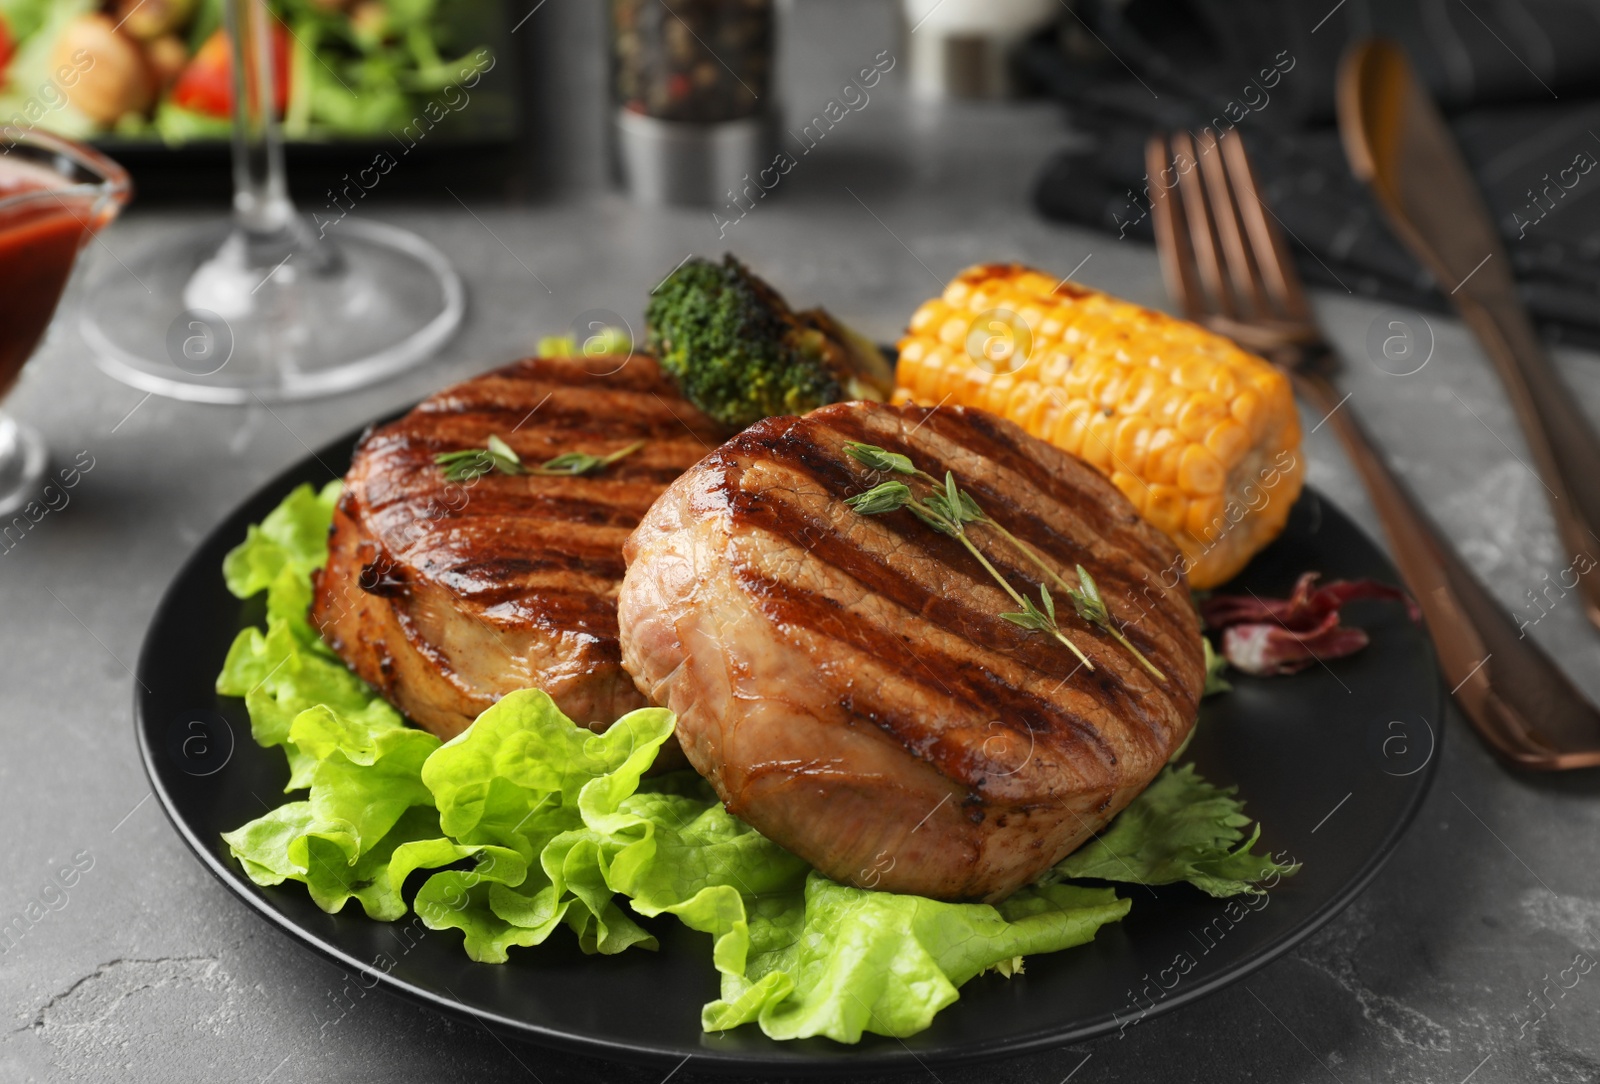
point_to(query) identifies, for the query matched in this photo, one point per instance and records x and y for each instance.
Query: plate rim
(848, 1059)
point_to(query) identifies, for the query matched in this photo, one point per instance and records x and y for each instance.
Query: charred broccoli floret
(740, 354)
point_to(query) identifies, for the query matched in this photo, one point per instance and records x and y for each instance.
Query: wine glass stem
(261, 203)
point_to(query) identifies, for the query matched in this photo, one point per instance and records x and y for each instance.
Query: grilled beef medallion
(845, 681)
(447, 595)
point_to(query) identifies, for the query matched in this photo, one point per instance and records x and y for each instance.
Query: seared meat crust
(446, 596)
(846, 682)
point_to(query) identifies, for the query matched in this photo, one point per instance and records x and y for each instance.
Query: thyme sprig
(470, 464)
(1089, 604)
(949, 505)
(949, 513)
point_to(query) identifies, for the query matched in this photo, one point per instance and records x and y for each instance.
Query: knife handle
(1559, 435)
(1521, 703)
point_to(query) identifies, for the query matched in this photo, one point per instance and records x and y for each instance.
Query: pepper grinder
(693, 114)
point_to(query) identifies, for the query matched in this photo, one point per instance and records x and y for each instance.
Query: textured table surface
(151, 971)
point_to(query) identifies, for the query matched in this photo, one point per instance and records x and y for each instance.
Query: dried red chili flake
(1266, 636)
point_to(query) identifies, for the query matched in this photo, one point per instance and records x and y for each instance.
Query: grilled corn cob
(1200, 435)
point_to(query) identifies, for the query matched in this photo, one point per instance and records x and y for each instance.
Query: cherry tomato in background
(206, 84)
(8, 48)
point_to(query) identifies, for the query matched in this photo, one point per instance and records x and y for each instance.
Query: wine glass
(263, 307)
(54, 195)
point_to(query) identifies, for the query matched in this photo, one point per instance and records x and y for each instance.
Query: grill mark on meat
(532, 379)
(977, 434)
(873, 571)
(966, 680)
(795, 447)
(1120, 571)
(1000, 443)
(608, 421)
(584, 548)
(560, 609)
(516, 575)
(486, 575)
(382, 577)
(414, 468)
(608, 415)
(492, 501)
(1007, 506)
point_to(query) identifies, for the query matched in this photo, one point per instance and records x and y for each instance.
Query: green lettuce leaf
(287, 669)
(1180, 829)
(512, 782)
(1216, 672)
(672, 850)
(366, 801)
(839, 961)
(800, 955)
(294, 535)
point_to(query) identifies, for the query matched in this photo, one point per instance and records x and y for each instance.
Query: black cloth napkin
(1518, 79)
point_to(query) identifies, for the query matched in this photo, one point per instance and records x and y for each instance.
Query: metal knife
(1399, 145)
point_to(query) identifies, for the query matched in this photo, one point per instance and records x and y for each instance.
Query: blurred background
(559, 91)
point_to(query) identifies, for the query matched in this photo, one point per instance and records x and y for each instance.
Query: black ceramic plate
(1334, 761)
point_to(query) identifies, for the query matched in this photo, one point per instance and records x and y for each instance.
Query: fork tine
(1178, 262)
(1250, 299)
(1202, 236)
(1266, 239)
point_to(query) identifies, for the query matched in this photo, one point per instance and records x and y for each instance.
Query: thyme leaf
(876, 458)
(948, 508)
(470, 464)
(947, 512)
(881, 498)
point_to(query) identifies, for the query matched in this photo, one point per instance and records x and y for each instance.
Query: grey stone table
(151, 971)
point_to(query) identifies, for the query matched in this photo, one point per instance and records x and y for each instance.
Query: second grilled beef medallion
(845, 681)
(447, 595)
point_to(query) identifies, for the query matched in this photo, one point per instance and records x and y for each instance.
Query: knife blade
(1399, 145)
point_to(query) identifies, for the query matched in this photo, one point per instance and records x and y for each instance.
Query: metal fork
(1225, 261)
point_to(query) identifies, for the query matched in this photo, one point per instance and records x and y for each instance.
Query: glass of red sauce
(54, 196)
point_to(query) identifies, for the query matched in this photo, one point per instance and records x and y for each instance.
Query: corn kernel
(1000, 388)
(953, 330)
(1222, 384)
(1161, 461)
(1055, 366)
(973, 385)
(1228, 441)
(1192, 374)
(1199, 414)
(1249, 411)
(1132, 487)
(1097, 439)
(931, 373)
(1140, 389)
(1130, 443)
(1070, 426)
(1167, 403)
(1023, 408)
(1165, 508)
(1034, 282)
(1199, 471)
(929, 315)
(1204, 520)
